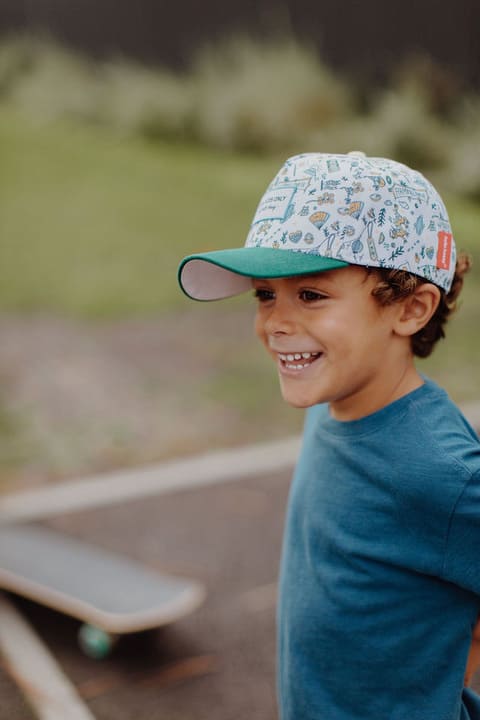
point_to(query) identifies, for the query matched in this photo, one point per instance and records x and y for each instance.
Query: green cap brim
(224, 273)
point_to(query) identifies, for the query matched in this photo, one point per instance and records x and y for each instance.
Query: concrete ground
(217, 663)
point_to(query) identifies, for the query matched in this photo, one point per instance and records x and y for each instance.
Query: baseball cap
(326, 211)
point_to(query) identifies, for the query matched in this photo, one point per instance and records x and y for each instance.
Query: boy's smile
(298, 361)
(333, 343)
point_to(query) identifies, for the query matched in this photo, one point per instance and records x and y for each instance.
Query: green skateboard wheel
(94, 642)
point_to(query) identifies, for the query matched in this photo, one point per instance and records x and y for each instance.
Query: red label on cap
(444, 252)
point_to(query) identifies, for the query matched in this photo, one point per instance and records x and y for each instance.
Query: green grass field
(93, 226)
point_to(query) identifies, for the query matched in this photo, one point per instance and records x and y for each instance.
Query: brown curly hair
(395, 285)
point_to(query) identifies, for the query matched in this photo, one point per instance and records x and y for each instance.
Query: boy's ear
(417, 309)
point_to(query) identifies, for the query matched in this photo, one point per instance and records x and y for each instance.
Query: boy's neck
(387, 390)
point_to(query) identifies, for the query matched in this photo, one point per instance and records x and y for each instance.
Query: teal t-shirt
(380, 574)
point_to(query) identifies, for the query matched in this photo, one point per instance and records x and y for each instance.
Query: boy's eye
(311, 295)
(263, 295)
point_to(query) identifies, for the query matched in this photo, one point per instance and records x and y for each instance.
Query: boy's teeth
(290, 359)
(297, 356)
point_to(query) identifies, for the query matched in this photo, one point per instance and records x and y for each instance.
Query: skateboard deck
(106, 591)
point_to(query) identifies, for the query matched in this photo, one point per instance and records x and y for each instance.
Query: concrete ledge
(174, 476)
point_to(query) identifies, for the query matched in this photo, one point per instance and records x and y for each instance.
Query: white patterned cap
(323, 211)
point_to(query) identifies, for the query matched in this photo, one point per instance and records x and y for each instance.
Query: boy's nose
(279, 322)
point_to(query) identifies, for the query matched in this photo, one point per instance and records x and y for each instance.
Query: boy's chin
(296, 400)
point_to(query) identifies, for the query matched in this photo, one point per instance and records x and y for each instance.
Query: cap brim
(224, 273)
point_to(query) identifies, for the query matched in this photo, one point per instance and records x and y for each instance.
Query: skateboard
(109, 593)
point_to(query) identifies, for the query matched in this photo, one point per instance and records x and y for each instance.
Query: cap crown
(366, 211)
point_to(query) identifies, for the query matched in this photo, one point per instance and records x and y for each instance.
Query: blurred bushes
(47, 81)
(247, 95)
(252, 96)
(239, 95)
(464, 166)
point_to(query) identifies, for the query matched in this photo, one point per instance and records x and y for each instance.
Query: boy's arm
(473, 662)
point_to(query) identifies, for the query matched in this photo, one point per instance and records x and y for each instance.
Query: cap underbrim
(224, 273)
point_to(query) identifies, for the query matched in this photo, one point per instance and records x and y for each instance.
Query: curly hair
(396, 285)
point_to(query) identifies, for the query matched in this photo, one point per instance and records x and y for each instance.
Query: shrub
(262, 96)
(48, 81)
(402, 127)
(463, 173)
(152, 102)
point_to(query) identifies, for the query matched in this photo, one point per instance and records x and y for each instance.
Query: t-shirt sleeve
(462, 552)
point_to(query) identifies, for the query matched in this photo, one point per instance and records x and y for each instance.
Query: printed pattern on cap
(366, 211)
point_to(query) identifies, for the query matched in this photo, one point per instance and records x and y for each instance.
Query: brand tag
(444, 252)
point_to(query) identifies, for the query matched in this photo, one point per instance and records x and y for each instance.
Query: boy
(353, 264)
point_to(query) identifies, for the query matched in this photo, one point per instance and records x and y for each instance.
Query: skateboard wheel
(94, 642)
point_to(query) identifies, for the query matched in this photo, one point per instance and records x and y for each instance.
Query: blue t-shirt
(380, 575)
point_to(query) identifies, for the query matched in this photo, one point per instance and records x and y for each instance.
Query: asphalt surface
(12, 702)
(218, 662)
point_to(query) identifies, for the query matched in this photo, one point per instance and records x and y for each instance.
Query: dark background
(363, 38)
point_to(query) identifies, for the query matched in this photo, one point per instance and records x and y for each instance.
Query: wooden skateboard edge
(114, 623)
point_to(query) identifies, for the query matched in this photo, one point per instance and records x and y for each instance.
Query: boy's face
(331, 341)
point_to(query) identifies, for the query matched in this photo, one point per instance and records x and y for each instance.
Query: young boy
(354, 267)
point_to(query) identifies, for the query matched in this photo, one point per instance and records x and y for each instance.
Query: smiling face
(332, 342)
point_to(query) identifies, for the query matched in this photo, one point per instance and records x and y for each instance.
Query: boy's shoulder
(444, 429)
(422, 425)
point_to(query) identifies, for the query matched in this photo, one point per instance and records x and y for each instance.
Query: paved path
(154, 480)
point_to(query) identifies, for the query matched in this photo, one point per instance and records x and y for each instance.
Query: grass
(94, 224)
